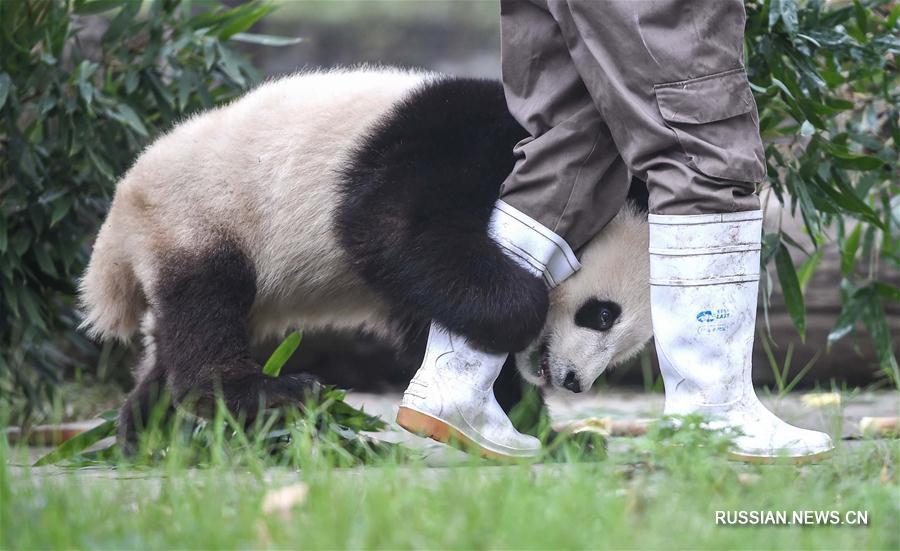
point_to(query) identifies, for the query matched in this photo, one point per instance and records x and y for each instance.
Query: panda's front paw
(295, 389)
(509, 318)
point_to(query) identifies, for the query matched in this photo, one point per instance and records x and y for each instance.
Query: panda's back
(272, 150)
(262, 170)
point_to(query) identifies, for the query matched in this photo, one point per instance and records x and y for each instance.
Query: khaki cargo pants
(614, 89)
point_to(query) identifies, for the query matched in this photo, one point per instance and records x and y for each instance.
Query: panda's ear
(598, 315)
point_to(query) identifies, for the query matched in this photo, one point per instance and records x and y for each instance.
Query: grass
(208, 486)
(659, 491)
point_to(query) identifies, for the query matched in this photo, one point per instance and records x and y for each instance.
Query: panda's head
(600, 316)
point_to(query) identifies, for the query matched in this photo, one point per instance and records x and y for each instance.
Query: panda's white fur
(249, 170)
(267, 174)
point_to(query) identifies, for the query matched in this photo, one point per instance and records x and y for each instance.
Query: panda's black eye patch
(598, 315)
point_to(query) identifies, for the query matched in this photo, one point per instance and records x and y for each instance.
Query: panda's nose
(571, 382)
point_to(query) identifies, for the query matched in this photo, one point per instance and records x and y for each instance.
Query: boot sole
(797, 460)
(422, 424)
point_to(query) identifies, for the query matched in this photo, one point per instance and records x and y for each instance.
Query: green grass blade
(773, 363)
(787, 367)
(800, 375)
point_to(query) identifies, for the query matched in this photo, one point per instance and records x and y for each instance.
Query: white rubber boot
(704, 276)
(451, 398)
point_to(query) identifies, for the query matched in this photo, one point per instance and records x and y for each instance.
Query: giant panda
(345, 200)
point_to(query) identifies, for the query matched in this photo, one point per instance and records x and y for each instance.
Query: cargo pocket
(715, 120)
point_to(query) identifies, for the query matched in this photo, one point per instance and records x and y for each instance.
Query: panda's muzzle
(571, 382)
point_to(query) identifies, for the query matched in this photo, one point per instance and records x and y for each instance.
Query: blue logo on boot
(712, 321)
(706, 316)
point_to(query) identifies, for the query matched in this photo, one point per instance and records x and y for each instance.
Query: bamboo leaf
(79, 443)
(774, 13)
(126, 114)
(788, 12)
(282, 354)
(265, 39)
(847, 201)
(887, 291)
(5, 85)
(96, 6)
(845, 158)
(873, 316)
(790, 288)
(242, 18)
(848, 251)
(808, 268)
(44, 261)
(231, 65)
(120, 24)
(862, 16)
(846, 321)
(60, 209)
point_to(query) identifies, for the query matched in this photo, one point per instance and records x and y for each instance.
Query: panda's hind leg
(145, 404)
(203, 302)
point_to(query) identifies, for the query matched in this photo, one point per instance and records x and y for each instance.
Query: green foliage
(826, 84)
(328, 430)
(84, 85)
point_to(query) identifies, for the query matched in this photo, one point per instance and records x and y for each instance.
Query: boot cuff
(705, 233)
(706, 249)
(532, 245)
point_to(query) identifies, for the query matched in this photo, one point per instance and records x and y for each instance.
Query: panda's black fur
(417, 197)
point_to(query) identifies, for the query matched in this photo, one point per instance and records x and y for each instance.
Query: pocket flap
(705, 99)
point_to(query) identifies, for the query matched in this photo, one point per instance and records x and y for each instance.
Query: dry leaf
(283, 500)
(822, 399)
(607, 426)
(880, 427)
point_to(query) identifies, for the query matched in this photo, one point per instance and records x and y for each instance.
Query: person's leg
(568, 175)
(668, 78)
